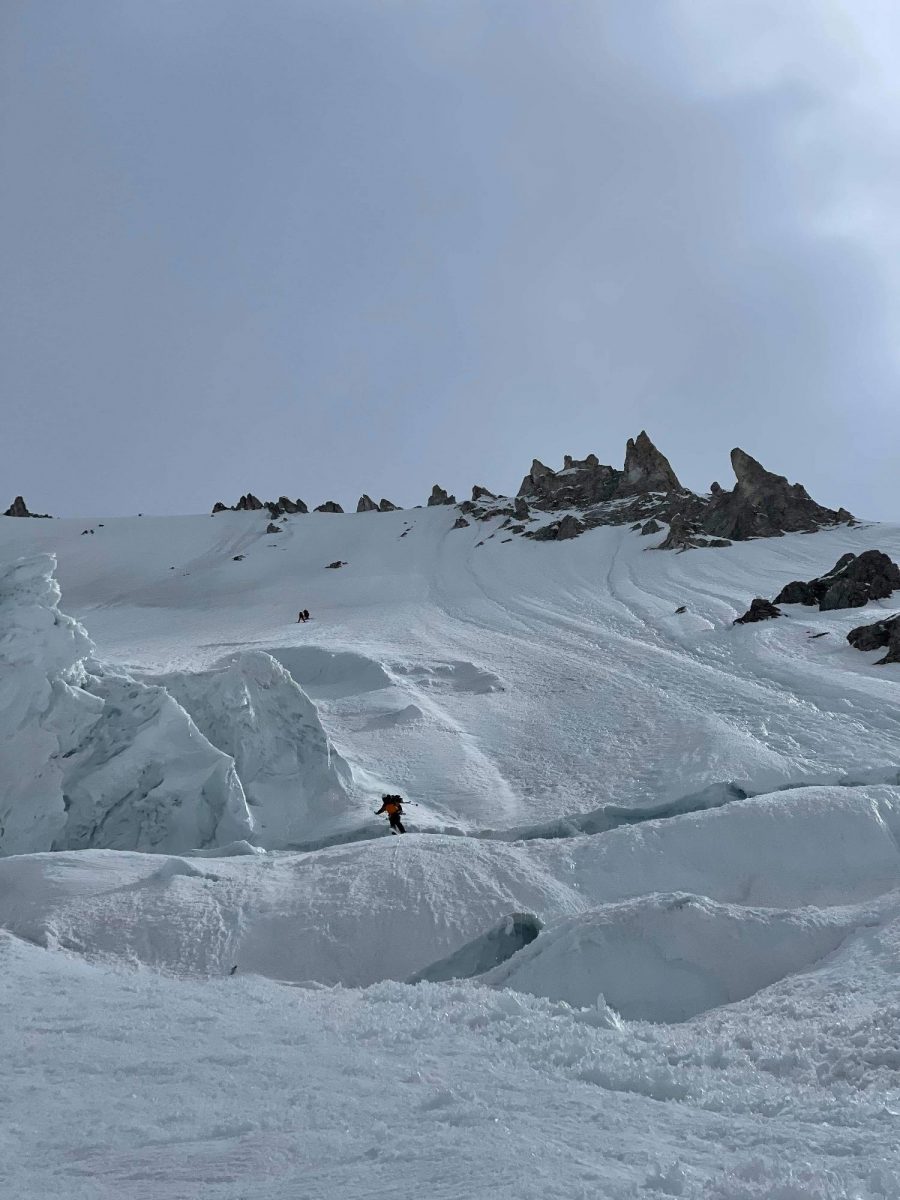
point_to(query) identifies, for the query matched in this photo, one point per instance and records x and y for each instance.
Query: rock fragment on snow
(759, 610)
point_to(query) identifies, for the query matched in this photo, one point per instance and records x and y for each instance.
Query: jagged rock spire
(366, 504)
(19, 508)
(646, 469)
(763, 504)
(482, 493)
(439, 496)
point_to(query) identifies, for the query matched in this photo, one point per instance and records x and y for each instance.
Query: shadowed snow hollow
(669, 957)
(250, 707)
(484, 952)
(89, 757)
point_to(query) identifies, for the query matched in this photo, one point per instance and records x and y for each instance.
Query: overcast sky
(321, 247)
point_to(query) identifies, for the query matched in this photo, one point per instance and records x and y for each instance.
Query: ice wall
(93, 758)
(251, 707)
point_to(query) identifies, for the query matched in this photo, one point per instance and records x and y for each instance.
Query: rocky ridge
(645, 493)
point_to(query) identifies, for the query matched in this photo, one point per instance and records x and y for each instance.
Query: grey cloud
(326, 249)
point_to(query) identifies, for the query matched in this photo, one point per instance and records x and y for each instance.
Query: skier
(393, 806)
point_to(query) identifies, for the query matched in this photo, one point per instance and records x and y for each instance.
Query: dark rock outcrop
(759, 610)
(852, 582)
(482, 493)
(439, 496)
(881, 634)
(386, 506)
(646, 469)
(250, 503)
(336, 565)
(330, 506)
(580, 483)
(19, 508)
(520, 509)
(651, 526)
(586, 481)
(559, 531)
(366, 504)
(764, 505)
(685, 534)
(273, 528)
(460, 523)
(286, 505)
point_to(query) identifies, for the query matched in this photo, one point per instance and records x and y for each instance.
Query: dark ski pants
(395, 823)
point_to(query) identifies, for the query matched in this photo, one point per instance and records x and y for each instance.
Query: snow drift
(250, 707)
(89, 757)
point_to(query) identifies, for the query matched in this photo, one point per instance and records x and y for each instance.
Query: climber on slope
(393, 806)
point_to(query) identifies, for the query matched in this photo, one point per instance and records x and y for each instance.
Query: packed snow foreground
(643, 938)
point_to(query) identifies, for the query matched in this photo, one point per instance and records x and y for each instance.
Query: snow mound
(89, 757)
(399, 716)
(484, 952)
(666, 958)
(811, 845)
(250, 707)
(453, 676)
(332, 674)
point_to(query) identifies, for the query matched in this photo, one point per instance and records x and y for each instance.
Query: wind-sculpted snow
(251, 708)
(715, 795)
(330, 674)
(390, 908)
(90, 757)
(612, 816)
(669, 957)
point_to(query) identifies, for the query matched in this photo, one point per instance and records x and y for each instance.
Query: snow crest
(92, 758)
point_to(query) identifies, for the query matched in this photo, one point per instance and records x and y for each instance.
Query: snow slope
(607, 696)
(704, 821)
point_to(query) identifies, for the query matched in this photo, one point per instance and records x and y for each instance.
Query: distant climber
(303, 616)
(393, 806)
